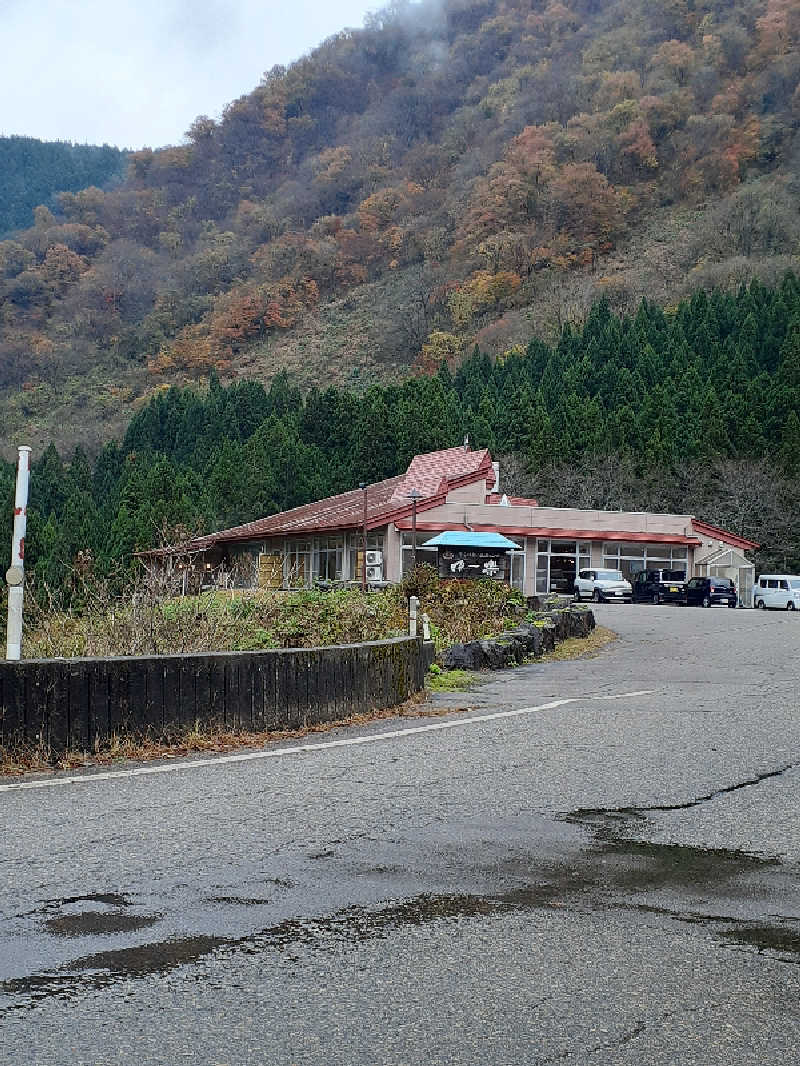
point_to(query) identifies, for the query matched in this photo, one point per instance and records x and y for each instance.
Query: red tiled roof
(432, 475)
(335, 512)
(707, 530)
(435, 473)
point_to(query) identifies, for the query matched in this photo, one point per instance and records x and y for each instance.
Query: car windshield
(609, 575)
(674, 575)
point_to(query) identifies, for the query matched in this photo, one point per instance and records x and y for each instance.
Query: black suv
(705, 591)
(660, 586)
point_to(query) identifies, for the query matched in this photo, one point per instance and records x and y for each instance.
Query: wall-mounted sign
(474, 563)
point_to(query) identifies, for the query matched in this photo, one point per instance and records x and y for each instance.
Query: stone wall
(529, 639)
(56, 705)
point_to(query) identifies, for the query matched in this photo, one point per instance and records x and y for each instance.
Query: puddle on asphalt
(608, 874)
(93, 914)
(98, 923)
(636, 865)
(100, 970)
(145, 959)
(239, 901)
(773, 939)
(358, 924)
(630, 864)
(107, 899)
(353, 925)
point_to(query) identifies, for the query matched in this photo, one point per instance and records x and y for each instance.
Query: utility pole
(15, 575)
(363, 486)
(414, 495)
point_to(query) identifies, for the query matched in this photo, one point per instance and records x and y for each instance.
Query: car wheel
(706, 601)
(596, 595)
(790, 606)
(761, 605)
(577, 595)
(731, 603)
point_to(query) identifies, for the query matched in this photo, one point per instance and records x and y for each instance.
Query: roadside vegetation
(147, 618)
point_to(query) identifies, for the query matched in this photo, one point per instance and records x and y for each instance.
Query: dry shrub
(150, 617)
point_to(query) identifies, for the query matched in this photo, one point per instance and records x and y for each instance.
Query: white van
(777, 590)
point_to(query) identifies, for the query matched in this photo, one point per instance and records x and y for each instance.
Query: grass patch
(580, 647)
(438, 680)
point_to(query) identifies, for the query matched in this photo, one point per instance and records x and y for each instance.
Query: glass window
(429, 556)
(562, 547)
(518, 570)
(328, 559)
(542, 573)
(297, 564)
(632, 551)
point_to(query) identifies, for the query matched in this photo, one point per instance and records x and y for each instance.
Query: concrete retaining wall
(75, 704)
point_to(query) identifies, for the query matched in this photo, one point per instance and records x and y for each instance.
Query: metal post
(414, 535)
(15, 575)
(413, 604)
(414, 496)
(363, 487)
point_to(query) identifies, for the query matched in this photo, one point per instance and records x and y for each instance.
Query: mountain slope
(456, 173)
(32, 172)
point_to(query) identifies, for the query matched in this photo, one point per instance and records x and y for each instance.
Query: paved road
(598, 863)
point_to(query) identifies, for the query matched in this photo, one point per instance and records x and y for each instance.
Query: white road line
(297, 749)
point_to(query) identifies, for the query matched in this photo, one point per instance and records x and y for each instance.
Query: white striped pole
(15, 575)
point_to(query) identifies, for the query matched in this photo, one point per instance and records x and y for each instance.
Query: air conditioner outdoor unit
(375, 573)
(374, 558)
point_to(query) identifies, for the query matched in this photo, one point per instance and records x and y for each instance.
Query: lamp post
(414, 496)
(363, 486)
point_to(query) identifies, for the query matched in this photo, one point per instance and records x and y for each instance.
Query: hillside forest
(34, 172)
(693, 410)
(457, 173)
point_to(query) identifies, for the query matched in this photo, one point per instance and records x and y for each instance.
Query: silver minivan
(777, 590)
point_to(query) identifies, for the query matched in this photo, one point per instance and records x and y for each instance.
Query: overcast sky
(138, 72)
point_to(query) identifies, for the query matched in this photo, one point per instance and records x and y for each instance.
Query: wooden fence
(57, 705)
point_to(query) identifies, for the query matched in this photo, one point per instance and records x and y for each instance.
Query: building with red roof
(459, 489)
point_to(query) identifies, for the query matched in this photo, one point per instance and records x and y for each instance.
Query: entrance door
(562, 573)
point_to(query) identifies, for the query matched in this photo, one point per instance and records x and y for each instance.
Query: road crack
(584, 815)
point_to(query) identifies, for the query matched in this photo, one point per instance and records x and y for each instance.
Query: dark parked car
(660, 586)
(705, 591)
